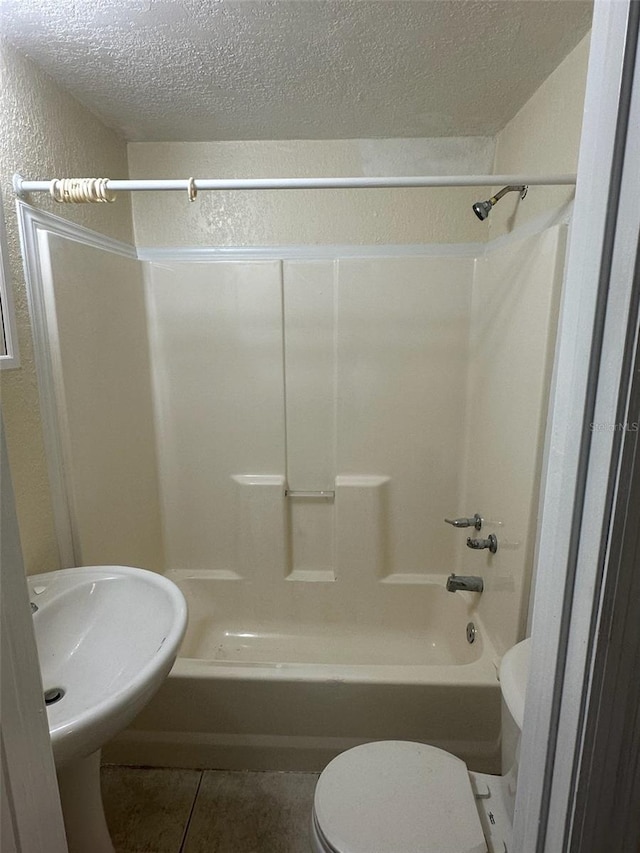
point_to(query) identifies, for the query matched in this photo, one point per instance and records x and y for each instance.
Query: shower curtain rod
(192, 186)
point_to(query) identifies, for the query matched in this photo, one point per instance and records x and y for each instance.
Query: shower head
(482, 209)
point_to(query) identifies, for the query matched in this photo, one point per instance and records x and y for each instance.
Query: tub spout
(466, 582)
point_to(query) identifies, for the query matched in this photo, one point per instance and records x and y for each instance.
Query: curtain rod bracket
(17, 186)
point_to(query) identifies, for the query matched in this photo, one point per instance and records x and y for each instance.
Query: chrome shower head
(482, 209)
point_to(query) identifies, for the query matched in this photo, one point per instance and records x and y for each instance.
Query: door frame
(31, 813)
(590, 394)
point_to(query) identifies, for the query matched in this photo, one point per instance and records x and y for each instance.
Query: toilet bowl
(404, 797)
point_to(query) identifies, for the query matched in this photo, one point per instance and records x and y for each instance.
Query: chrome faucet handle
(490, 542)
(474, 521)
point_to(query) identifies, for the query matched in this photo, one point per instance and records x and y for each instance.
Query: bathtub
(253, 689)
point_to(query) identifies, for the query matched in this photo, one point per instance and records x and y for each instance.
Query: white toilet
(403, 797)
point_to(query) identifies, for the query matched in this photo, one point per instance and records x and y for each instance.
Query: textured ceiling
(297, 69)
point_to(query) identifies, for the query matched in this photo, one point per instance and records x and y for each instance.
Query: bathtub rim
(448, 673)
(483, 670)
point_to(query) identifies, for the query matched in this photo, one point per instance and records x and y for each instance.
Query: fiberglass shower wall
(108, 502)
(342, 376)
(407, 387)
(516, 302)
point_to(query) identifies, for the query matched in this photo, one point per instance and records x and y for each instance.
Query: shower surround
(315, 420)
(310, 415)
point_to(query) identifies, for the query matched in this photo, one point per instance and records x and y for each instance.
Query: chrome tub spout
(470, 583)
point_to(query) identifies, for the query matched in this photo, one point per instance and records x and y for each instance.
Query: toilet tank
(514, 672)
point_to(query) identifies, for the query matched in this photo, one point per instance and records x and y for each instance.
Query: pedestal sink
(107, 637)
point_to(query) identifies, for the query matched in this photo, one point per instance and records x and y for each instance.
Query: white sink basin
(107, 636)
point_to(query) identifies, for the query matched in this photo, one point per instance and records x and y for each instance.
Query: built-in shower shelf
(310, 495)
(312, 575)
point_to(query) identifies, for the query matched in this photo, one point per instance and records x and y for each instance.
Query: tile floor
(151, 810)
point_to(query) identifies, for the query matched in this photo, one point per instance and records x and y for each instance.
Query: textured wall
(336, 69)
(44, 133)
(317, 216)
(543, 138)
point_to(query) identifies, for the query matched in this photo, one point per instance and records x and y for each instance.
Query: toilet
(404, 797)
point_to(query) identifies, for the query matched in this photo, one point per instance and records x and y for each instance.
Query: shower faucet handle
(474, 521)
(491, 543)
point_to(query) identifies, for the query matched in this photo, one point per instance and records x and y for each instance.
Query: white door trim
(31, 813)
(574, 509)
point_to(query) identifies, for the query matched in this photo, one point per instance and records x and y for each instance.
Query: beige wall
(44, 132)
(104, 388)
(543, 138)
(317, 216)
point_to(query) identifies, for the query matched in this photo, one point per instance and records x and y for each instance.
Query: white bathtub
(255, 690)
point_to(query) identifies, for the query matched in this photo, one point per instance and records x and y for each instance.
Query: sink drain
(472, 632)
(53, 695)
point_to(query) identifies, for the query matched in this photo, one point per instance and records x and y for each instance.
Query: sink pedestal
(81, 798)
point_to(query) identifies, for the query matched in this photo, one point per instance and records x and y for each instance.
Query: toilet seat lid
(397, 797)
